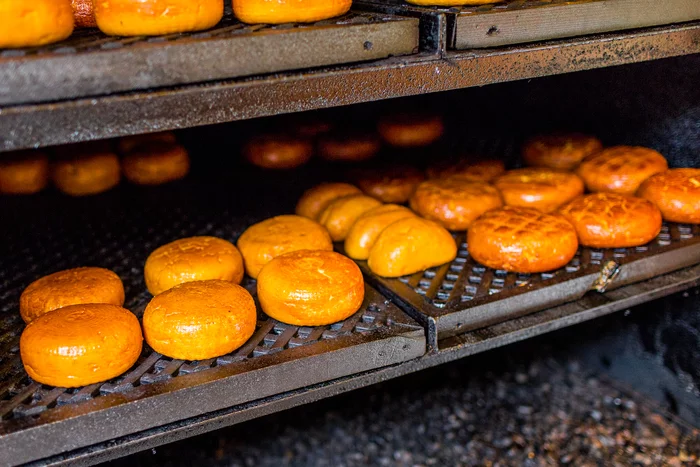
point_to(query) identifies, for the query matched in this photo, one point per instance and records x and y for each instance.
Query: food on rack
(454, 202)
(81, 344)
(364, 232)
(87, 172)
(392, 184)
(70, 287)
(24, 172)
(266, 240)
(342, 213)
(314, 200)
(470, 170)
(278, 151)
(156, 17)
(411, 130)
(83, 14)
(192, 259)
(676, 193)
(562, 151)
(539, 188)
(35, 23)
(288, 11)
(621, 169)
(523, 240)
(199, 320)
(410, 245)
(126, 144)
(155, 163)
(611, 220)
(310, 127)
(351, 146)
(311, 288)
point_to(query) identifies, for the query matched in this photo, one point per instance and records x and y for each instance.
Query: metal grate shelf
(519, 21)
(91, 63)
(464, 295)
(590, 307)
(53, 233)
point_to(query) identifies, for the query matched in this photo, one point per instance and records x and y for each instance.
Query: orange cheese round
(390, 185)
(676, 193)
(86, 174)
(348, 147)
(70, 287)
(621, 169)
(156, 17)
(278, 151)
(411, 130)
(127, 144)
(34, 23)
(266, 240)
(342, 213)
(522, 240)
(200, 320)
(288, 11)
(311, 288)
(192, 259)
(364, 232)
(542, 189)
(455, 203)
(316, 199)
(560, 151)
(81, 344)
(156, 163)
(469, 170)
(410, 245)
(610, 220)
(24, 172)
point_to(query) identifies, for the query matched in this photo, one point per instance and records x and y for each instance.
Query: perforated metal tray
(90, 63)
(519, 21)
(51, 232)
(464, 295)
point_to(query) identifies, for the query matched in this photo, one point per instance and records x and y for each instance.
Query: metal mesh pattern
(464, 283)
(107, 231)
(92, 40)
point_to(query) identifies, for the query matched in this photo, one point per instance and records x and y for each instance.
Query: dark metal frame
(61, 122)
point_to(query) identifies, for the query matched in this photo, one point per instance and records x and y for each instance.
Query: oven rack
(591, 306)
(160, 398)
(118, 230)
(90, 63)
(463, 295)
(519, 21)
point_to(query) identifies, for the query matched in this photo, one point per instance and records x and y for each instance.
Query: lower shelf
(463, 295)
(592, 306)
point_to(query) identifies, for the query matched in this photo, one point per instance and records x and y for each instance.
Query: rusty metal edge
(142, 112)
(143, 407)
(37, 79)
(556, 21)
(590, 307)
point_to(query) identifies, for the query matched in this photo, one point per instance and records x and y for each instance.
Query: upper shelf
(519, 21)
(91, 63)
